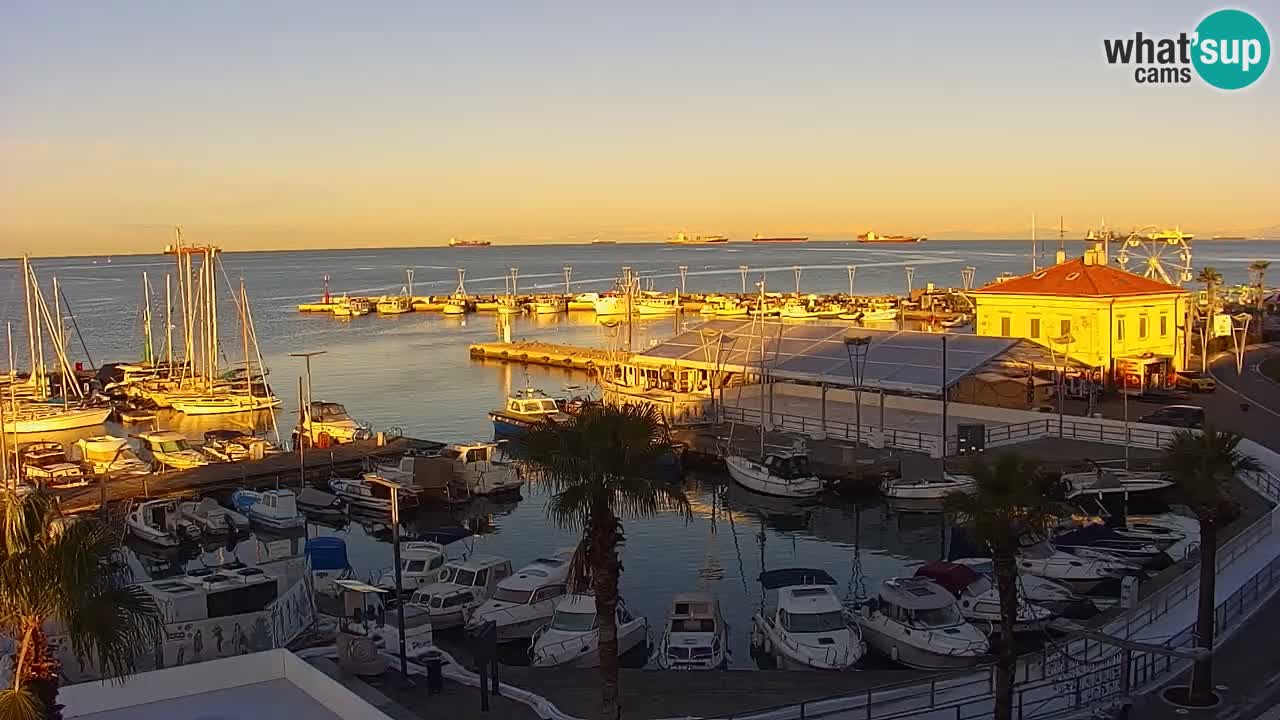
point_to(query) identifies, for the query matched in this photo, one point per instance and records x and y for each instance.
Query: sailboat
(38, 411)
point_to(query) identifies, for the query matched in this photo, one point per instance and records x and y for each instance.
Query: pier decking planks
(282, 468)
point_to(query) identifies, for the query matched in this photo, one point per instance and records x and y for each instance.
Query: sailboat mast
(31, 320)
(148, 354)
(1034, 257)
(210, 261)
(762, 378)
(168, 323)
(244, 339)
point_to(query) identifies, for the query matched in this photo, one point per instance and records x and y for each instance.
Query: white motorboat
(927, 488)
(1158, 534)
(108, 455)
(41, 417)
(481, 471)
(584, 301)
(797, 310)
(45, 464)
(235, 446)
(1046, 593)
(1097, 541)
(880, 314)
(650, 305)
(782, 474)
(1079, 573)
(360, 492)
(169, 450)
(272, 508)
(212, 518)
(394, 305)
(524, 409)
(978, 600)
(328, 423)
(610, 305)
(525, 601)
(465, 586)
(161, 523)
(807, 627)
(916, 623)
(572, 639)
(695, 635)
(421, 563)
(1105, 481)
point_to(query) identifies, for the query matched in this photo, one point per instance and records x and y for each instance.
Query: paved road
(1247, 665)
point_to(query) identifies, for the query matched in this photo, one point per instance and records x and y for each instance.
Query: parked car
(1194, 381)
(1186, 416)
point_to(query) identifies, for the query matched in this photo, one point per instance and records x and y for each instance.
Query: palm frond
(1008, 503)
(114, 626)
(20, 705)
(1202, 465)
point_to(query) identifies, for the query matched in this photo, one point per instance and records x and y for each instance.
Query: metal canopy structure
(896, 361)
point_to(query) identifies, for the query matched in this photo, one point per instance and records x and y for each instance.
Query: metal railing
(894, 438)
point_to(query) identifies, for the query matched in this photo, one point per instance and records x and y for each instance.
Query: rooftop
(1078, 278)
(275, 683)
(896, 361)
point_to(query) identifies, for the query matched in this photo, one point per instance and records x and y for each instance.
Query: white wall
(91, 697)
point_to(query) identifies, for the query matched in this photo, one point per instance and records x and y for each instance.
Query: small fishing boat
(1053, 596)
(481, 471)
(549, 305)
(880, 314)
(781, 474)
(916, 623)
(169, 450)
(350, 307)
(455, 305)
(606, 305)
(272, 508)
(1097, 541)
(1078, 573)
(928, 488)
(161, 523)
(525, 601)
(807, 627)
(108, 455)
(797, 310)
(41, 417)
(321, 506)
(394, 305)
(695, 634)
(958, 321)
(523, 410)
(649, 305)
(328, 423)
(572, 639)
(45, 464)
(978, 600)
(365, 612)
(212, 518)
(235, 446)
(421, 563)
(465, 586)
(360, 492)
(1107, 481)
(584, 301)
(226, 403)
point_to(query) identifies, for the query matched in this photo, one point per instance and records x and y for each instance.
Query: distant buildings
(1132, 329)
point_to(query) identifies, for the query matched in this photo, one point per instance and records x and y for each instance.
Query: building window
(1120, 328)
(1065, 328)
(1035, 327)
(1004, 326)
(1142, 328)
(1164, 326)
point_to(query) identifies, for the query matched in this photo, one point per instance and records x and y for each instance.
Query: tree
(1258, 268)
(1009, 503)
(598, 465)
(60, 569)
(1202, 466)
(1211, 279)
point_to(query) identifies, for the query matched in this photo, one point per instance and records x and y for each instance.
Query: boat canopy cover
(792, 577)
(327, 553)
(916, 593)
(1088, 536)
(445, 535)
(952, 576)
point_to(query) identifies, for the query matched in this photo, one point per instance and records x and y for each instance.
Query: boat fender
(893, 653)
(324, 440)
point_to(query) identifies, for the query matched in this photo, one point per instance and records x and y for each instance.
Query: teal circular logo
(1232, 49)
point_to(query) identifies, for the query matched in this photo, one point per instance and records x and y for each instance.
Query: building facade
(1132, 330)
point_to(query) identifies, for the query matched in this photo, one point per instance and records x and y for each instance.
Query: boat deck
(317, 465)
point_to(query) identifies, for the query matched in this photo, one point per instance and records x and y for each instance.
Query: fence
(1072, 676)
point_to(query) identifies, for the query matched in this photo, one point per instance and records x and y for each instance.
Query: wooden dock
(541, 353)
(284, 468)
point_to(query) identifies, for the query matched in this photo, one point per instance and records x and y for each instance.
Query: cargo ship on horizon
(683, 239)
(455, 242)
(762, 239)
(871, 237)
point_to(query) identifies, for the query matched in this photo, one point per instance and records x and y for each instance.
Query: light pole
(394, 488)
(1240, 336)
(306, 356)
(742, 270)
(684, 270)
(911, 276)
(857, 348)
(515, 275)
(943, 388)
(568, 272)
(1065, 341)
(408, 274)
(852, 270)
(966, 277)
(797, 269)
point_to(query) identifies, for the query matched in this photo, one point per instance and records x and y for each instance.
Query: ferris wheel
(1157, 254)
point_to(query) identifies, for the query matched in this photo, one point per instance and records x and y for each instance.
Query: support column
(822, 431)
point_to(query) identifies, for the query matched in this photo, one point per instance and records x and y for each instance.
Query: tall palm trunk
(1007, 665)
(1201, 690)
(605, 534)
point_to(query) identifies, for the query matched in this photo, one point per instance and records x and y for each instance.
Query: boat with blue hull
(523, 410)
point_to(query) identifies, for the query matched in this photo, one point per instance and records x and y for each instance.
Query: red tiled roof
(1075, 278)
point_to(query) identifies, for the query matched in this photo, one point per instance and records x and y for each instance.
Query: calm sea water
(412, 372)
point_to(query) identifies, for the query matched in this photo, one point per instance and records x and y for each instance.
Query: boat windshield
(171, 446)
(459, 576)
(981, 585)
(573, 622)
(331, 411)
(812, 622)
(937, 617)
(519, 597)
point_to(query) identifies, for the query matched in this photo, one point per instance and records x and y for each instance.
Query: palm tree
(1258, 268)
(1202, 466)
(1009, 503)
(58, 569)
(598, 465)
(1211, 279)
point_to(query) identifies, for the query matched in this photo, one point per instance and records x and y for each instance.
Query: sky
(258, 125)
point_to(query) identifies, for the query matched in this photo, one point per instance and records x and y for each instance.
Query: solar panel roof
(896, 361)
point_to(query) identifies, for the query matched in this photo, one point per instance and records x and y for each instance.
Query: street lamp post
(857, 348)
(395, 545)
(853, 269)
(1065, 341)
(742, 270)
(1240, 336)
(684, 271)
(568, 272)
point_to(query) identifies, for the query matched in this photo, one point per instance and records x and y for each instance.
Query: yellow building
(1132, 329)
